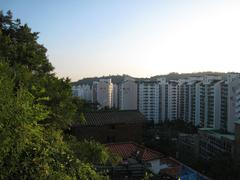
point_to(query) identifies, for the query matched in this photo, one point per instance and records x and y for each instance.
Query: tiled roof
(173, 167)
(129, 149)
(113, 117)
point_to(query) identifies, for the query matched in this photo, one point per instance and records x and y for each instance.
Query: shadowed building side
(111, 126)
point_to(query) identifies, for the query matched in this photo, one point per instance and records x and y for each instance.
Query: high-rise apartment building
(105, 93)
(233, 100)
(149, 100)
(163, 99)
(237, 110)
(188, 100)
(115, 98)
(182, 98)
(210, 102)
(83, 91)
(127, 95)
(207, 101)
(158, 100)
(94, 91)
(172, 99)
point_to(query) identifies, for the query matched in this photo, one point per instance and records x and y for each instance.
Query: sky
(141, 38)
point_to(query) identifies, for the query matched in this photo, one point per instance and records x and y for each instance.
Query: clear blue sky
(141, 38)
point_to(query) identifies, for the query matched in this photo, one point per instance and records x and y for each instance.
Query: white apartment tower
(163, 99)
(172, 99)
(105, 93)
(94, 91)
(233, 101)
(182, 98)
(188, 101)
(128, 95)
(158, 100)
(149, 100)
(83, 91)
(210, 102)
(115, 96)
(237, 106)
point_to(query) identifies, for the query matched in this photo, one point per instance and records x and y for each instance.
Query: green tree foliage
(35, 108)
(19, 46)
(93, 152)
(20, 49)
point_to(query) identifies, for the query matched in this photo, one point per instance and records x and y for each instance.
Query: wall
(110, 133)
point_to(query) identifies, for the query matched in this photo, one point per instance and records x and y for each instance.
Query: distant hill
(171, 76)
(176, 76)
(115, 79)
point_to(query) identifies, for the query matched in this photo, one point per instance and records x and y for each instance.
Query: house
(111, 126)
(134, 154)
(131, 151)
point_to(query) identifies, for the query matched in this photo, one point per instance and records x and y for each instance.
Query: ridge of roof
(147, 154)
(113, 117)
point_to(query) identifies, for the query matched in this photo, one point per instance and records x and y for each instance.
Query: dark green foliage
(35, 108)
(93, 152)
(19, 46)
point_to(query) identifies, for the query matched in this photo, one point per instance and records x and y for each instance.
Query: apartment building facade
(213, 143)
(158, 100)
(105, 93)
(209, 101)
(128, 95)
(83, 91)
(172, 99)
(149, 100)
(233, 101)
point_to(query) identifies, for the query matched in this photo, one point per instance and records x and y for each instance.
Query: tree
(19, 45)
(20, 49)
(28, 149)
(93, 152)
(35, 108)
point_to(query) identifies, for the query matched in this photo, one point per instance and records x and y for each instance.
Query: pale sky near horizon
(142, 38)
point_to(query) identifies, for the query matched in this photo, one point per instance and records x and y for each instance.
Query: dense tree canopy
(35, 108)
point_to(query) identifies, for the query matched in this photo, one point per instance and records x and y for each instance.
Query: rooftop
(168, 165)
(113, 117)
(218, 134)
(129, 149)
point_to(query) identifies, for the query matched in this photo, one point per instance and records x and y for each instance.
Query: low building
(111, 126)
(188, 147)
(213, 143)
(135, 155)
(132, 152)
(237, 140)
(209, 144)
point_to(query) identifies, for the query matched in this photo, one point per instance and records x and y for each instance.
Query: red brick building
(111, 126)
